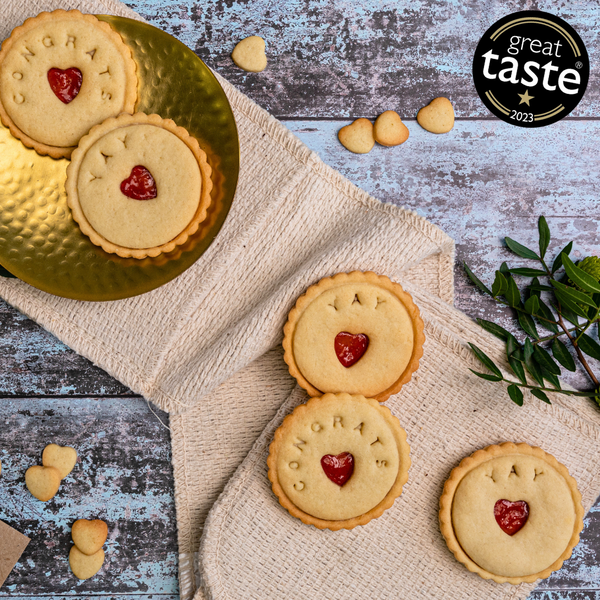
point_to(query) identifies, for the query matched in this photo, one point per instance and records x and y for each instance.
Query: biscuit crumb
(249, 54)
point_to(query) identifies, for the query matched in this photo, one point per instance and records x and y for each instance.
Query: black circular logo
(531, 69)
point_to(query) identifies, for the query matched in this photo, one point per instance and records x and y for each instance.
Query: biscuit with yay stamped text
(84, 566)
(511, 513)
(338, 461)
(42, 482)
(358, 136)
(62, 458)
(354, 332)
(437, 116)
(61, 73)
(389, 130)
(89, 536)
(249, 54)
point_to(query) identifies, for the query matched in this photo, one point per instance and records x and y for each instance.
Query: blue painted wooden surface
(329, 60)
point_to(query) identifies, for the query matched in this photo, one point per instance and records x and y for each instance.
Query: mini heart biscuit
(84, 566)
(437, 116)
(358, 136)
(249, 54)
(89, 536)
(62, 458)
(389, 130)
(42, 482)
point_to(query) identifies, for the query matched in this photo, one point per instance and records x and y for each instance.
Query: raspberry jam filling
(338, 468)
(140, 185)
(350, 347)
(511, 516)
(65, 84)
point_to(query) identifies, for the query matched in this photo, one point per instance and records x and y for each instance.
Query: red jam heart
(511, 516)
(139, 185)
(350, 348)
(338, 468)
(65, 84)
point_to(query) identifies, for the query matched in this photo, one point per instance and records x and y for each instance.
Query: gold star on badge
(525, 98)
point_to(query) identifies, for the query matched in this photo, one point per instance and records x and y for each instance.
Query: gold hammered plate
(39, 241)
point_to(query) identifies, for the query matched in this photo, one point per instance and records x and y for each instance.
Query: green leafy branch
(572, 306)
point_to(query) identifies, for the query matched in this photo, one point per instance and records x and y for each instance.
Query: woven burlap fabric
(205, 346)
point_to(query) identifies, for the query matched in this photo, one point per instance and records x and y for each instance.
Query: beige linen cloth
(205, 347)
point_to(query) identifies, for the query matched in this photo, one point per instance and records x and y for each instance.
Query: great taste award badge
(531, 69)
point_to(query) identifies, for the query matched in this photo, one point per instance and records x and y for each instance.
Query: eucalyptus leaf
(562, 355)
(526, 272)
(545, 361)
(527, 324)
(589, 346)
(517, 367)
(516, 395)
(549, 320)
(532, 305)
(539, 394)
(500, 285)
(540, 287)
(579, 276)
(486, 360)
(557, 264)
(512, 294)
(574, 295)
(569, 315)
(544, 235)
(521, 250)
(532, 367)
(553, 379)
(566, 301)
(486, 376)
(475, 280)
(495, 329)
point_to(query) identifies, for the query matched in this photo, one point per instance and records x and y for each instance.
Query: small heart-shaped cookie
(249, 54)
(389, 130)
(42, 482)
(62, 458)
(437, 116)
(358, 136)
(89, 536)
(84, 566)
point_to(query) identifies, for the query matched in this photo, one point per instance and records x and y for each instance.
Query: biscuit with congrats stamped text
(43, 482)
(338, 461)
(358, 136)
(511, 513)
(389, 130)
(249, 54)
(437, 116)
(61, 73)
(354, 332)
(89, 536)
(62, 458)
(84, 566)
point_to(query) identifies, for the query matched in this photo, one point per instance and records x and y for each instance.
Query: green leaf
(504, 269)
(527, 325)
(532, 305)
(527, 272)
(574, 295)
(500, 285)
(549, 322)
(512, 351)
(557, 264)
(579, 276)
(475, 280)
(553, 379)
(544, 235)
(589, 346)
(512, 294)
(532, 367)
(533, 291)
(516, 395)
(566, 301)
(540, 288)
(521, 250)
(496, 330)
(563, 356)
(539, 394)
(486, 376)
(486, 360)
(545, 361)
(569, 315)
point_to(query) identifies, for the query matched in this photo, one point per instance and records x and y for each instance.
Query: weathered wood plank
(123, 476)
(336, 58)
